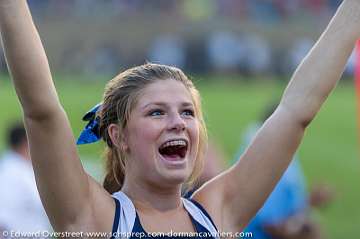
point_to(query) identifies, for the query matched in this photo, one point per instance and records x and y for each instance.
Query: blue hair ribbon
(90, 133)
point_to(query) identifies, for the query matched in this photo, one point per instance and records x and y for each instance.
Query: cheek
(140, 147)
(143, 136)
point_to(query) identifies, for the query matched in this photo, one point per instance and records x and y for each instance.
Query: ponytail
(115, 171)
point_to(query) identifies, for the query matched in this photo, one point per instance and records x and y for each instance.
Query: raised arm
(247, 184)
(65, 189)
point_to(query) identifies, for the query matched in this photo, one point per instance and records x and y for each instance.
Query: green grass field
(329, 151)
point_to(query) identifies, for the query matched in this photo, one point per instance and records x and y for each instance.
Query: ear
(117, 138)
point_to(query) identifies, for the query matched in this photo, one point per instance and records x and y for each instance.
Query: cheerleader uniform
(127, 223)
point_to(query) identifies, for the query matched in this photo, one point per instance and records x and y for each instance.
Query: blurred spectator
(72, 59)
(286, 213)
(190, 19)
(257, 10)
(3, 66)
(257, 55)
(298, 51)
(264, 11)
(102, 60)
(229, 52)
(21, 208)
(197, 55)
(168, 50)
(226, 51)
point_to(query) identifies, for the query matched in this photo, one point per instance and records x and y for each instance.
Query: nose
(177, 123)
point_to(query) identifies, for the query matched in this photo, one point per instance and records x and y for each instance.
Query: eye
(188, 112)
(156, 112)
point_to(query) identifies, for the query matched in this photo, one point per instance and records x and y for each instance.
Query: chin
(174, 171)
(173, 178)
(176, 177)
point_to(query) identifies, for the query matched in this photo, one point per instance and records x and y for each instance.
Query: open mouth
(174, 149)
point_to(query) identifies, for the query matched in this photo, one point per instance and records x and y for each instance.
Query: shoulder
(212, 198)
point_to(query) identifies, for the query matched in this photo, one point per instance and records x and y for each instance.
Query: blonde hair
(120, 97)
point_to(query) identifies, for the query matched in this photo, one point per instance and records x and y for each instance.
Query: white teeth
(174, 143)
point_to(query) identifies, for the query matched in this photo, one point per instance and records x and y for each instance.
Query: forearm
(319, 72)
(26, 59)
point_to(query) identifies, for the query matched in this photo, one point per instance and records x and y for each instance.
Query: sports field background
(329, 152)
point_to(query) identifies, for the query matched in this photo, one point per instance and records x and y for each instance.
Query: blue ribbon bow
(90, 133)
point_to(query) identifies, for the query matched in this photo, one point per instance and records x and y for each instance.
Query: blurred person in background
(168, 50)
(286, 213)
(20, 205)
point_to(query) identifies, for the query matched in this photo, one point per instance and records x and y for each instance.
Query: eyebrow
(163, 104)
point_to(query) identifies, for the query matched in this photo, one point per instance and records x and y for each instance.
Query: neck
(146, 196)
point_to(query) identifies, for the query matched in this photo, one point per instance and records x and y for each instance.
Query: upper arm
(70, 196)
(61, 180)
(234, 197)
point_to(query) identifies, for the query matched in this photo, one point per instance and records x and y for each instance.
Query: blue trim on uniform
(204, 211)
(138, 228)
(116, 218)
